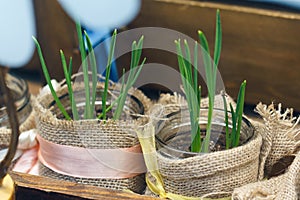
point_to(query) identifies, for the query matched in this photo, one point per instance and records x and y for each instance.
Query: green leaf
(133, 61)
(239, 110)
(188, 64)
(48, 80)
(207, 61)
(139, 50)
(181, 63)
(87, 110)
(123, 81)
(233, 118)
(93, 63)
(70, 68)
(133, 75)
(69, 84)
(196, 87)
(192, 92)
(107, 75)
(100, 116)
(218, 47)
(210, 85)
(218, 39)
(227, 137)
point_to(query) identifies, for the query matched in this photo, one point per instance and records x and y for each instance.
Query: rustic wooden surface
(55, 31)
(259, 45)
(37, 187)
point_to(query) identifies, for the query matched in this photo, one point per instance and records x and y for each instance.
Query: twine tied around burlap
(281, 139)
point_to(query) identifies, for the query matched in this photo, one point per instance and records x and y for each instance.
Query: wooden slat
(55, 31)
(259, 45)
(38, 187)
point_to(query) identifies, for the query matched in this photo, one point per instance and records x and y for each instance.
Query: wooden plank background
(259, 45)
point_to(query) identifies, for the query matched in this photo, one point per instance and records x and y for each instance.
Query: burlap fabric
(177, 99)
(218, 172)
(279, 132)
(281, 138)
(136, 184)
(286, 186)
(28, 124)
(89, 134)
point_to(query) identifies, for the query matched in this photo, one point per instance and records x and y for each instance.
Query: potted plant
(202, 151)
(86, 126)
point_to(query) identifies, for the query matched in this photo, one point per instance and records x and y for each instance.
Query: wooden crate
(259, 45)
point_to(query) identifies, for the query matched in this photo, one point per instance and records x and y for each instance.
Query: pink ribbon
(27, 162)
(91, 163)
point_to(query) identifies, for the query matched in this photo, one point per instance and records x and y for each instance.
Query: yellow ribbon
(147, 141)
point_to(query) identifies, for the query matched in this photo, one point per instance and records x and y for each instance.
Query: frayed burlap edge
(28, 124)
(280, 132)
(281, 138)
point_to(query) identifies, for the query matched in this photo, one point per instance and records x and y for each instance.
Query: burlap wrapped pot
(91, 134)
(214, 174)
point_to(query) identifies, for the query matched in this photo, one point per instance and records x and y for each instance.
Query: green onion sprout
(90, 96)
(192, 91)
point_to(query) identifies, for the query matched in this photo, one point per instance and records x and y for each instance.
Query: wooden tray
(38, 187)
(260, 45)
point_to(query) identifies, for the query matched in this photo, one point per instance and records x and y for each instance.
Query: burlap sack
(89, 134)
(28, 124)
(281, 139)
(213, 173)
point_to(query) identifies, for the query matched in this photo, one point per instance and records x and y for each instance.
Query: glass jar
(174, 138)
(21, 96)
